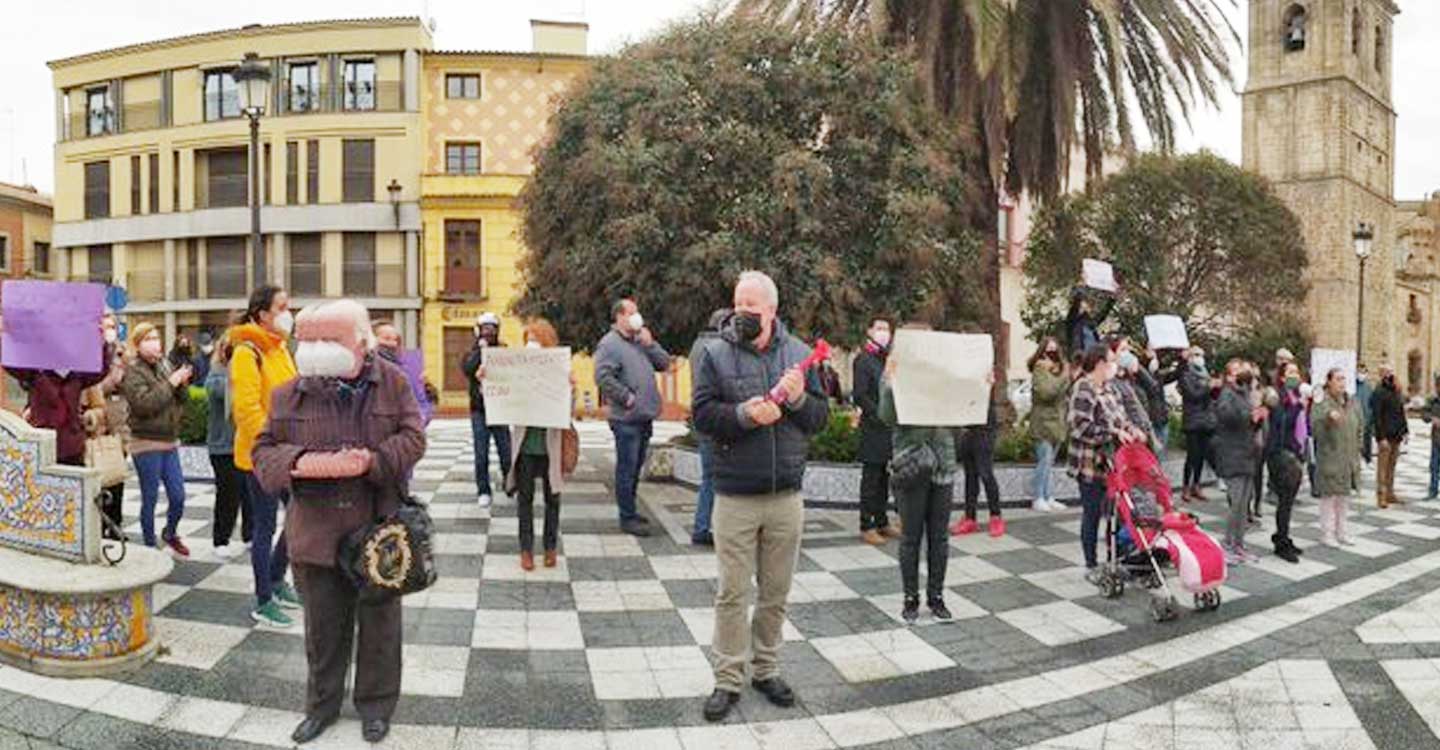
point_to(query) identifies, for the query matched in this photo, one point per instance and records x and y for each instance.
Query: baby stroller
(1142, 544)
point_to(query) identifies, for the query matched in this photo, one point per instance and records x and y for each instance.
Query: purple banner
(412, 361)
(51, 325)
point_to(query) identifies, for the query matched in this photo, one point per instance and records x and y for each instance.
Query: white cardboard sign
(940, 378)
(529, 387)
(1099, 275)
(1166, 332)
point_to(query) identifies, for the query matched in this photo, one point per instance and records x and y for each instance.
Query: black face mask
(1390, 381)
(748, 326)
(389, 354)
(1244, 381)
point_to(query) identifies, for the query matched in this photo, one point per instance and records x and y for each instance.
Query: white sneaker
(1055, 506)
(1040, 505)
(223, 553)
(484, 500)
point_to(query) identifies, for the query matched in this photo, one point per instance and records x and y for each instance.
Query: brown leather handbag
(569, 451)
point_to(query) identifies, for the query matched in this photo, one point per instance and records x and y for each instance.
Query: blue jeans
(705, 499)
(1162, 434)
(482, 433)
(268, 564)
(1044, 462)
(1092, 508)
(1434, 467)
(632, 439)
(154, 468)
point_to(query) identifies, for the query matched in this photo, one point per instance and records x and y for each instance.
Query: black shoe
(374, 730)
(635, 528)
(643, 520)
(776, 690)
(1286, 553)
(706, 539)
(940, 611)
(911, 612)
(718, 705)
(312, 727)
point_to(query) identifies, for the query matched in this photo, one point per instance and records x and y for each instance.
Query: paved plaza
(610, 648)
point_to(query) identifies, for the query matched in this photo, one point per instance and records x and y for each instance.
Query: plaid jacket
(1095, 415)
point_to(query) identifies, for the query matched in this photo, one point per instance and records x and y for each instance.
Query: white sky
(52, 29)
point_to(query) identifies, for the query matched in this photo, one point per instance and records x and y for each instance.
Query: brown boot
(549, 558)
(894, 530)
(873, 537)
(527, 561)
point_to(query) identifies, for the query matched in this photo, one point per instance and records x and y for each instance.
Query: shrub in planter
(839, 442)
(195, 419)
(1016, 445)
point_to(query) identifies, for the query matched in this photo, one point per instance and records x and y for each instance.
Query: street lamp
(1364, 234)
(394, 190)
(252, 77)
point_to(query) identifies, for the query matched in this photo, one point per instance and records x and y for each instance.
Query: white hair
(765, 282)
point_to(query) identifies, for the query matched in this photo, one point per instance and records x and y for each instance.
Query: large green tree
(724, 144)
(1032, 79)
(1193, 236)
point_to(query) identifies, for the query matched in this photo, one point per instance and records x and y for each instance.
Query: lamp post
(253, 80)
(1363, 235)
(394, 190)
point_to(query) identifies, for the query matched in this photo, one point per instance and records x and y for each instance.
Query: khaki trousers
(1385, 472)
(757, 543)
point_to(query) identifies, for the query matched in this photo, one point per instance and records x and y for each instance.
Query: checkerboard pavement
(616, 637)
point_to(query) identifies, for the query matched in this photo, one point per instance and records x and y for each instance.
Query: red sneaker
(997, 526)
(964, 526)
(178, 547)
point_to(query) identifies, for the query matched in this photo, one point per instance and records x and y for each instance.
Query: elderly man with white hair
(342, 439)
(759, 410)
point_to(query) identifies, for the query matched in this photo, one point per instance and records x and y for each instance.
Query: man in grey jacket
(626, 360)
(759, 439)
(705, 497)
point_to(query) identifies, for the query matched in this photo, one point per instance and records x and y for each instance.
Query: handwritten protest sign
(1323, 360)
(52, 325)
(940, 378)
(1166, 332)
(1098, 275)
(529, 387)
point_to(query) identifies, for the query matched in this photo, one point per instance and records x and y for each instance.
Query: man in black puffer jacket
(758, 465)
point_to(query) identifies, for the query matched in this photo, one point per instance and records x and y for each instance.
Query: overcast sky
(49, 29)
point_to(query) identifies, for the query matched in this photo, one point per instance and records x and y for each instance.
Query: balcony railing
(145, 286)
(373, 280)
(132, 117)
(463, 283)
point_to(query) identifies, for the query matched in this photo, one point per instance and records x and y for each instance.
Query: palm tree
(1031, 79)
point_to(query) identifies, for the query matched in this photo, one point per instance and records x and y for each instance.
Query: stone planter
(195, 463)
(838, 485)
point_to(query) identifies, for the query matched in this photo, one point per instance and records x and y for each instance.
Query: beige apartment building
(151, 163)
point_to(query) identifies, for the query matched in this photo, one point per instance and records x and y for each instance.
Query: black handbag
(392, 556)
(914, 464)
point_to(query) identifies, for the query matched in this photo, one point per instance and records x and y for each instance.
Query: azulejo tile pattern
(73, 627)
(610, 648)
(41, 511)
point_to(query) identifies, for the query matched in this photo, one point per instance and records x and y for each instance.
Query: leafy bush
(839, 442)
(1016, 445)
(195, 419)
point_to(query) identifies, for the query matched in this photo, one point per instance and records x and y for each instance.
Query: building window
(1355, 32)
(312, 172)
(1295, 18)
(358, 171)
(463, 272)
(153, 185)
(222, 97)
(226, 177)
(304, 87)
(462, 86)
(134, 185)
(1379, 50)
(462, 158)
(292, 172)
(102, 264)
(175, 183)
(97, 189)
(306, 276)
(457, 344)
(192, 269)
(41, 262)
(4, 252)
(359, 270)
(225, 267)
(99, 111)
(359, 85)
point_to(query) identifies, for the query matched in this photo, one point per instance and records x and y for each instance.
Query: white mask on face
(285, 322)
(636, 322)
(324, 359)
(150, 348)
(533, 345)
(111, 336)
(882, 338)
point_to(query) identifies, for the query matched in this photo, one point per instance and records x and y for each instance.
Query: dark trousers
(268, 564)
(231, 499)
(874, 496)
(1197, 452)
(1367, 443)
(333, 612)
(482, 434)
(925, 514)
(1259, 488)
(1092, 509)
(1286, 473)
(632, 440)
(977, 455)
(112, 505)
(528, 470)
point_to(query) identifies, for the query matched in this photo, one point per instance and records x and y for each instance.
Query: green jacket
(155, 405)
(1336, 430)
(1050, 394)
(940, 439)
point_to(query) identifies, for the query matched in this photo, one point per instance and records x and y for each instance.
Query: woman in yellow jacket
(259, 364)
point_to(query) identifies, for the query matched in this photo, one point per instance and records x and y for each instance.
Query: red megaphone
(819, 354)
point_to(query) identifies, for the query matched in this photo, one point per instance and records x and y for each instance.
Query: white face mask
(882, 338)
(111, 336)
(636, 322)
(285, 322)
(533, 345)
(324, 359)
(150, 348)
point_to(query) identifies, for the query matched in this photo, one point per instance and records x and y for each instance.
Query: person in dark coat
(487, 333)
(976, 449)
(342, 440)
(701, 535)
(1387, 410)
(1082, 325)
(875, 436)
(1236, 453)
(1364, 390)
(1198, 420)
(201, 364)
(1286, 446)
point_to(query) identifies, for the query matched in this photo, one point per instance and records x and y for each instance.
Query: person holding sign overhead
(1082, 325)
